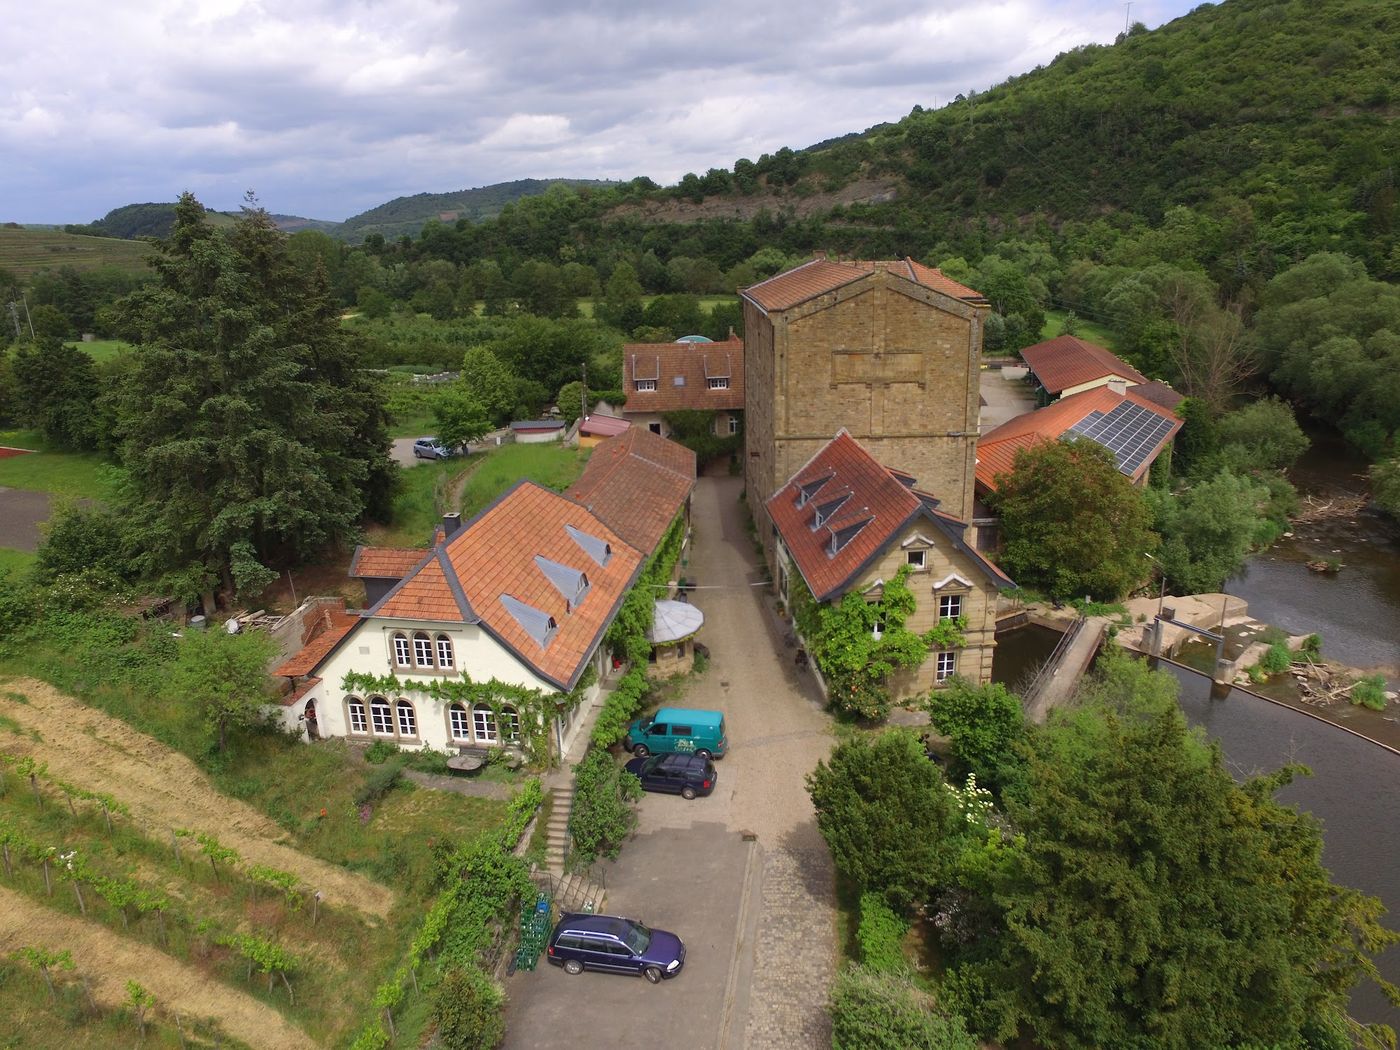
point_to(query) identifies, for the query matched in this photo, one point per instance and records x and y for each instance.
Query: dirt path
(164, 789)
(109, 961)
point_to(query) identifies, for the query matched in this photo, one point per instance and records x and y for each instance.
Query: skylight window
(537, 623)
(597, 549)
(572, 584)
(806, 491)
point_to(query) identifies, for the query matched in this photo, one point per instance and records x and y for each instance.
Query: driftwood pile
(1320, 683)
(1314, 508)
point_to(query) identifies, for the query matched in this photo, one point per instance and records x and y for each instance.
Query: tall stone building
(887, 350)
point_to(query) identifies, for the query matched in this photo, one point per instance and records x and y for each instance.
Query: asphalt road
(21, 512)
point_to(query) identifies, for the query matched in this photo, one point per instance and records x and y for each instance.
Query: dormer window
(537, 623)
(572, 584)
(842, 536)
(826, 511)
(600, 550)
(809, 489)
(645, 385)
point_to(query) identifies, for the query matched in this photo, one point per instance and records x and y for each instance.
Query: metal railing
(1049, 668)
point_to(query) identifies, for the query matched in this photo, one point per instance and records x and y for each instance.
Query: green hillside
(407, 215)
(25, 252)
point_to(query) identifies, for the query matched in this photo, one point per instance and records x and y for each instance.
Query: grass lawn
(552, 465)
(707, 303)
(1087, 330)
(79, 474)
(420, 501)
(103, 349)
(15, 561)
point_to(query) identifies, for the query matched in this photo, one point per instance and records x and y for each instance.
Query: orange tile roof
(693, 363)
(875, 495)
(307, 684)
(820, 276)
(603, 426)
(338, 624)
(1067, 361)
(385, 563)
(996, 450)
(636, 482)
(494, 556)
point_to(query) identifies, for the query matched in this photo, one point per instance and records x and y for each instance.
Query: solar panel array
(1129, 431)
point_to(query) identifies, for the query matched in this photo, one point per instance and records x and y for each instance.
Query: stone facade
(891, 360)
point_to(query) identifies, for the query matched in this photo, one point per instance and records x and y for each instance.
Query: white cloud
(328, 107)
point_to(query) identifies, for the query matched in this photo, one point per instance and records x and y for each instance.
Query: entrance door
(312, 730)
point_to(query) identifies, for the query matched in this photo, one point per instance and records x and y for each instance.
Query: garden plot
(163, 789)
(108, 960)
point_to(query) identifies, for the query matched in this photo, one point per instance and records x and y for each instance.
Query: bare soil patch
(109, 961)
(165, 790)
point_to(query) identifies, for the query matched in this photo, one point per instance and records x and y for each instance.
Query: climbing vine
(535, 708)
(858, 644)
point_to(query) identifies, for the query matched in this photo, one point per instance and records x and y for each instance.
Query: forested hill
(406, 215)
(1282, 114)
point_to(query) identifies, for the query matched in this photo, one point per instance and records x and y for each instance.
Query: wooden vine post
(216, 852)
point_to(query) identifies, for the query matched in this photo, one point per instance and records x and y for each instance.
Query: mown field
(27, 251)
(82, 475)
(1086, 330)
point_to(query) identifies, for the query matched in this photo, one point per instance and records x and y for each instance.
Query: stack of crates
(535, 928)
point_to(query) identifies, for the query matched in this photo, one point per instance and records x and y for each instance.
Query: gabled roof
(819, 276)
(996, 450)
(681, 372)
(1159, 393)
(491, 572)
(843, 508)
(603, 426)
(385, 563)
(636, 483)
(537, 424)
(1067, 361)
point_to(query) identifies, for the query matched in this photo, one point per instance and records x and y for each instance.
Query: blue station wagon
(615, 945)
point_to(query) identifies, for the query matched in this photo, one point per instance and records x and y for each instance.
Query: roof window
(806, 490)
(826, 511)
(842, 536)
(597, 549)
(537, 623)
(572, 584)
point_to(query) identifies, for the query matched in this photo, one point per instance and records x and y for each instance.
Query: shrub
(880, 935)
(876, 1011)
(1277, 658)
(379, 783)
(379, 751)
(468, 1010)
(984, 724)
(1370, 692)
(1312, 646)
(602, 816)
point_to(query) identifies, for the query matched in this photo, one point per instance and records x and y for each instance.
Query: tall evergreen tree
(244, 425)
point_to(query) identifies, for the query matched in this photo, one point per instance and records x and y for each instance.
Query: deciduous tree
(224, 676)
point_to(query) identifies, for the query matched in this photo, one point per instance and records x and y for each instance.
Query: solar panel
(1129, 431)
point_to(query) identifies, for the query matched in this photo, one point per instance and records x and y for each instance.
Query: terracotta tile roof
(996, 450)
(385, 563)
(603, 426)
(494, 557)
(695, 364)
(1159, 393)
(865, 506)
(1066, 361)
(307, 684)
(337, 624)
(820, 276)
(636, 482)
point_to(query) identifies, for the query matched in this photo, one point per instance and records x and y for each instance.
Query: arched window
(458, 724)
(408, 718)
(484, 721)
(444, 652)
(355, 707)
(380, 716)
(401, 650)
(422, 649)
(510, 725)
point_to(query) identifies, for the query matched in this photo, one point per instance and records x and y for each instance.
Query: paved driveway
(774, 900)
(21, 512)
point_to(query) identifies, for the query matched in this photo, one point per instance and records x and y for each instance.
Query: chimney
(1118, 386)
(450, 524)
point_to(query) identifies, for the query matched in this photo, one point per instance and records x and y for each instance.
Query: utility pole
(1127, 16)
(583, 394)
(14, 316)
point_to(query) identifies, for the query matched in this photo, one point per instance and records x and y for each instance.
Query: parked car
(684, 775)
(682, 729)
(431, 448)
(615, 945)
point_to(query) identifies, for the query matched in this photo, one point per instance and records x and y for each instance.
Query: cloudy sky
(329, 107)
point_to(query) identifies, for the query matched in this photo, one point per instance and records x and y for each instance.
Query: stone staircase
(557, 830)
(571, 891)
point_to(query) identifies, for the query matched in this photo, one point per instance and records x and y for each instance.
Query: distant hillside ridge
(407, 215)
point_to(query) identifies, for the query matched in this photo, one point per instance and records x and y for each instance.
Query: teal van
(681, 729)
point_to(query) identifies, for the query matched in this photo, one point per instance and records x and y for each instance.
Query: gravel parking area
(21, 512)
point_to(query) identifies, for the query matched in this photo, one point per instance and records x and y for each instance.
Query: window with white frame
(484, 722)
(916, 559)
(381, 717)
(878, 628)
(950, 606)
(646, 384)
(733, 424)
(947, 666)
(444, 652)
(408, 719)
(356, 708)
(719, 382)
(401, 656)
(422, 649)
(458, 724)
(510, 725)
